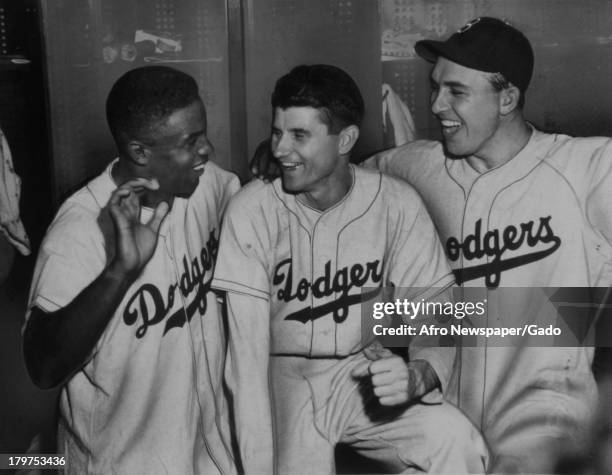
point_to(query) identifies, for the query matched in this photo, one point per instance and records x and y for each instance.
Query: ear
(348, 138)
(509, 99)
(138, 152)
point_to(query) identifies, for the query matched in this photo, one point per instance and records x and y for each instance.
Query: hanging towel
(10, 190)
(397, 117)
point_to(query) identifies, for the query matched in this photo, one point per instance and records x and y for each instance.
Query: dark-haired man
(294, 257)
(515, 208)
(121, 314)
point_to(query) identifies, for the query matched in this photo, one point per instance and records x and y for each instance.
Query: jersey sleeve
(71, 256)
(241, 259)
(222, 183)
(403, 161)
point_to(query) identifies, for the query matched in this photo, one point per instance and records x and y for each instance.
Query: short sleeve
(71, 256)
(405, 161)
(241, 259)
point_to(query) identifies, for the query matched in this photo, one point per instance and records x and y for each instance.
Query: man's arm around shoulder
(398, 161)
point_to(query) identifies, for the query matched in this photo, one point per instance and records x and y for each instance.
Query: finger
(161, 210)
(125, 200)
(119, 217)
(391, 400)
(382, 379)
(121, 194)
(118, 195)
(385, 391)
(376, 351)
(394, 365)
(119, 205)
(362, 370)
(140, 183)
(132, 203)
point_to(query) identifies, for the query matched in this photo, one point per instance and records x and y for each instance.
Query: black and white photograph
(318, 237)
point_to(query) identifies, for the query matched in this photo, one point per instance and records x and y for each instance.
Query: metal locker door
(280, 34)
(85, 54)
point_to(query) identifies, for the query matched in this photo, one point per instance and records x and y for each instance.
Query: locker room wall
(572, 40)
(24, 410)
(236, 49)
(79, 77)
(280, 34)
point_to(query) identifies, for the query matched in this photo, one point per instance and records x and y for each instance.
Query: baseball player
(121, 313)
(294, 257)
(515, 207)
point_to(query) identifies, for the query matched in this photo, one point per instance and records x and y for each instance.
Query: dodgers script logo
(341, 282)
(495, 242)
(147, 304)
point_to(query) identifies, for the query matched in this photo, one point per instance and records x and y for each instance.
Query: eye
(194, 140)
(457, 92)
(300, 136)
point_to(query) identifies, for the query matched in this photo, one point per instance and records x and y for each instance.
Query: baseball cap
(485, 44)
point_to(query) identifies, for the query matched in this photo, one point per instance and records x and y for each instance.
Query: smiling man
(515, 207)
(294, 257)
(121, 314)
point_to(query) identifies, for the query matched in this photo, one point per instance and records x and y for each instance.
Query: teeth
(450, 123)
(290, 165)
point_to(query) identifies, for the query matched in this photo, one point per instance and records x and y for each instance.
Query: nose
(439, 102)
(280, 145)
(204, 147)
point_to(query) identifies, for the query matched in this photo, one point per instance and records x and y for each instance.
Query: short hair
(500, 82)
(324, 87)
(144, 97)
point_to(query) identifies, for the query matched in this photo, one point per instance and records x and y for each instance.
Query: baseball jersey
(540, 220)
(311, 265)
(149, 398)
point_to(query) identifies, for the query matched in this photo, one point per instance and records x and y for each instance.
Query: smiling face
(179, 150)
(309, 156)
(468, 108)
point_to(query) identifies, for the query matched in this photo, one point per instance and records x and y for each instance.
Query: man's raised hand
(135, 241)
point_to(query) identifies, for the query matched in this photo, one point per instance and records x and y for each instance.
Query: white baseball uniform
(149, 399)
(303, 271)
(540, 220)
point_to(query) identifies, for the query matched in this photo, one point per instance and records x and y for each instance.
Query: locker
(90, 44)
(235, 49)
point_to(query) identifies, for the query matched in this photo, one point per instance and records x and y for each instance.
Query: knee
(447, 424)
(448, 431)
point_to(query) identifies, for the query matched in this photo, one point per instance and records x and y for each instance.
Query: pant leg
(318, 408)
(300, 448)
(430, 438)
(422, 439)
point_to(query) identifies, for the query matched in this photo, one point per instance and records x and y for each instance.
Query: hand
(394, 381)
(263, 164)
(135, 242)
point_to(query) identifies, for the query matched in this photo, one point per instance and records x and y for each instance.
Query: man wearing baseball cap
(515, 207)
